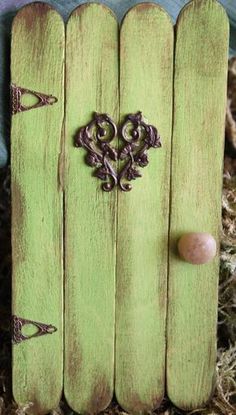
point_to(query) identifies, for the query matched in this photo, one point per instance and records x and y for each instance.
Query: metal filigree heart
(117, 166)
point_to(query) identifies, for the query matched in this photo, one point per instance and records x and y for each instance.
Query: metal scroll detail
(18, 323)
(16, 95)
(96, 137)
(137, 138)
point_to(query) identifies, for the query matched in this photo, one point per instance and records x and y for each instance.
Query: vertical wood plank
(90, 214)
(37, 63)
(146, 70)
(198, 133)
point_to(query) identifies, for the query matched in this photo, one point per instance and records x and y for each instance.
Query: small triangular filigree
(16, 99)
(18, 323)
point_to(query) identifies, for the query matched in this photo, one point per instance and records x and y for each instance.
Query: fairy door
(111, 165)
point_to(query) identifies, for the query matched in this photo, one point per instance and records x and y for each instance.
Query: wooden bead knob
(197, 248)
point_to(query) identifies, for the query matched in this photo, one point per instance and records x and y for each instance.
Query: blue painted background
(8, 9)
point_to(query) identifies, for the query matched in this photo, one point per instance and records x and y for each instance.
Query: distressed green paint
(90, 214)
(146, 55)
(37, 63)
(198, 134)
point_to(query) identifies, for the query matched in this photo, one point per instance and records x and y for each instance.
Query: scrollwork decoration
(116, 167)
(96, 138)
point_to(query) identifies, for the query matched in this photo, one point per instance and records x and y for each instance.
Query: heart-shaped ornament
(116, 166)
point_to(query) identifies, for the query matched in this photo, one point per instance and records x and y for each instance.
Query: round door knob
(197, 248)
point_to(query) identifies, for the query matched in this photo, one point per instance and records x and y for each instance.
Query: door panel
(146, 70)
(197, 157)
(37, 217)
(90, 214)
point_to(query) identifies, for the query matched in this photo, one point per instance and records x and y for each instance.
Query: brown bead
(197, 248)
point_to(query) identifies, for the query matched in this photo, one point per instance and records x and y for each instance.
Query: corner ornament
(17, 93)
(117, 166)
(18, 323)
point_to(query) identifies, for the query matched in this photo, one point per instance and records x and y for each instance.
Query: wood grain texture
(37, 63)
(146, 55)
(198, 133)
(90, 214)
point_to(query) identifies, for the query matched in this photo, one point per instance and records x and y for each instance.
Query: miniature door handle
(197, 248)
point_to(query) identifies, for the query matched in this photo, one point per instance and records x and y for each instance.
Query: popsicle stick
(146, 54)
(37, 63)
(198, 133)
(90, 214)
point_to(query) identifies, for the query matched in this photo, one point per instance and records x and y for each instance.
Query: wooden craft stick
(90, 214)
(37, 75)
(146, 55)
(197, 157)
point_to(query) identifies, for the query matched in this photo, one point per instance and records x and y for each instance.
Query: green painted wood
(90, 214)
(198, 134)
(37, 63)
(146, 55)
